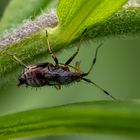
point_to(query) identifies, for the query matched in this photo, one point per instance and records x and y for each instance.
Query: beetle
(58, 74)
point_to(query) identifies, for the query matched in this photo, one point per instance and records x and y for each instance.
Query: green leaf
(76, 16)
(105, 117)
(19, 10)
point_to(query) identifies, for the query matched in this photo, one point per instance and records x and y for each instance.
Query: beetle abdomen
(59, 76)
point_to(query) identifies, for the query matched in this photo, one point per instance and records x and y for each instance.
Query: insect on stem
(58, 74)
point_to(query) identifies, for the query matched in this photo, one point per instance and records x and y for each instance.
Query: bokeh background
(117, 70)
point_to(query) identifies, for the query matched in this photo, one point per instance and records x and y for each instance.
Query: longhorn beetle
(38, 75)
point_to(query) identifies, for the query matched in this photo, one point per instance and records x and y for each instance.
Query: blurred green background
(117, 70)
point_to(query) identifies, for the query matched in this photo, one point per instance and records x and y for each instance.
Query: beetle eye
(21, 81)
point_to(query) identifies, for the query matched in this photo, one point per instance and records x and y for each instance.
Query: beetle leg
(50, 51)
(77, 67)
(69, 66)
(74, 55)
(93, 62)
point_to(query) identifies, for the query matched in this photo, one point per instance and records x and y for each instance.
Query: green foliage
(75, 16)
(108, 117)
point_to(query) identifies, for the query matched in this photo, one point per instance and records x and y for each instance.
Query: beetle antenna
(16, 59)
(89, 81)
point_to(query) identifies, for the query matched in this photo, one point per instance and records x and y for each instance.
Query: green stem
(124, 23)
(105, 117)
